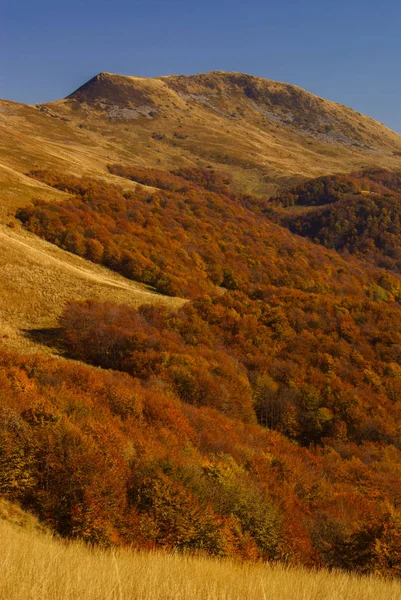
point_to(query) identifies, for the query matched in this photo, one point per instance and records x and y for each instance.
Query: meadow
(35, 565)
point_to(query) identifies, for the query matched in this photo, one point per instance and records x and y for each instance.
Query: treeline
(176, 348)
(181, 180)
(367, 226)
(109, 459)
(330, 188)
(312, 369)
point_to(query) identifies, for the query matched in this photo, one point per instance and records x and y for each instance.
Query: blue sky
(347, 51)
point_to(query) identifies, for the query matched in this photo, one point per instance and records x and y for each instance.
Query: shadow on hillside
(49, 337)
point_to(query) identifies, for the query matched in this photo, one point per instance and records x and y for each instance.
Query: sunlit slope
(36, 279)
(35, 565)
(264, 133)
(32, 138)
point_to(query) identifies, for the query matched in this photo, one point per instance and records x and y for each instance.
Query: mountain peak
(119, 90)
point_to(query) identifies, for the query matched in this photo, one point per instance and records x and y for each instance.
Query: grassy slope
(262, 132)
(37, 278)
(35, 565)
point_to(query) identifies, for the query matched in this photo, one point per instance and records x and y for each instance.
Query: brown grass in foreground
(34, 565)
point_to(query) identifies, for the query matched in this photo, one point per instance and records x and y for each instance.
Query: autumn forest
(261, 419)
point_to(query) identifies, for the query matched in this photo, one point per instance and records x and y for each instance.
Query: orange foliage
(259, 420)
(100, 456)
(361, 215)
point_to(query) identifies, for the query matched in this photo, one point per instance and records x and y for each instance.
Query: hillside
(213, 410)
(262, 132)
(227, 387)
(358, 213)
(37, 279)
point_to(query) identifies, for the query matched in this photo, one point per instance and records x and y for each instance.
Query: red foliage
(186, 242)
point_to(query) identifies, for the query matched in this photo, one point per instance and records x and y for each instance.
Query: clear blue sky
(344, 50)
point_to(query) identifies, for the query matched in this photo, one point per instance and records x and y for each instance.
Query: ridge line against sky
(346, 52)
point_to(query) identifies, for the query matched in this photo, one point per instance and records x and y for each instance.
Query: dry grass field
(37, 278)
(35, 566)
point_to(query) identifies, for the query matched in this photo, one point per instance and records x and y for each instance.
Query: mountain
(216, 383)
(264, 133)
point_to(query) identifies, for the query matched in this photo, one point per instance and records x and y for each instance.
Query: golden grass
(35, 566)
(37, 278)
(15, 515)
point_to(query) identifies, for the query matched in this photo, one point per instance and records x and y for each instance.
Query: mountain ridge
(265, 134)
(278, 96)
